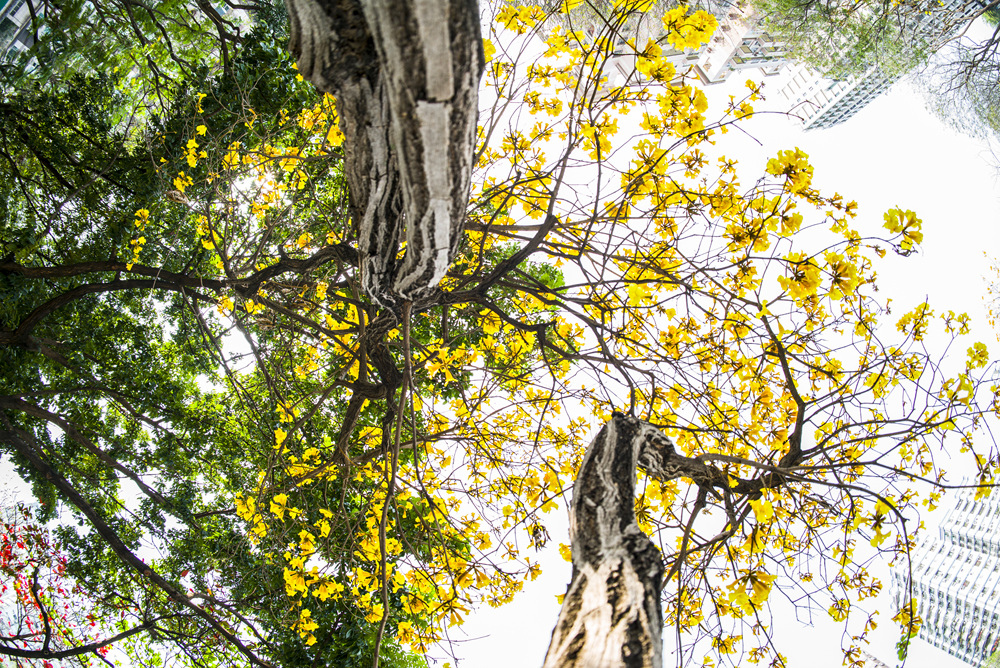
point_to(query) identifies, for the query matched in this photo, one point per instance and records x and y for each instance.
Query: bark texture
(611, 614)
(406, 77)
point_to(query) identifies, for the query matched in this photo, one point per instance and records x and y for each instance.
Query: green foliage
(842, 39)
(120, 380)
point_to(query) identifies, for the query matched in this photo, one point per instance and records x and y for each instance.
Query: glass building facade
(956, 580)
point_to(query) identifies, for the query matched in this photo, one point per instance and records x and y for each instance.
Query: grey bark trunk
(406, 77)
(611, 615)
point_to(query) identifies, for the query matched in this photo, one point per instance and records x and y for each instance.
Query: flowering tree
(341, 462)
(46, 616)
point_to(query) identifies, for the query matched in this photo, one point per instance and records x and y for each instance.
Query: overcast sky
(892, 153)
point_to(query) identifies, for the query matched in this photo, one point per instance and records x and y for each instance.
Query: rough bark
(406, 76)
(611, 614)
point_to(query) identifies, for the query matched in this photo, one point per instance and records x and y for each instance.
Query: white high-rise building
(739, 43)
(956, 580)
(819, 102)
(15, 26)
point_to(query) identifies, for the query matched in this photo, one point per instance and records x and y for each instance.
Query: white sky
(892, 153)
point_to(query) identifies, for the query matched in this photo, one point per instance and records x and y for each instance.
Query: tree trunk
(406, 77)
(611, 614)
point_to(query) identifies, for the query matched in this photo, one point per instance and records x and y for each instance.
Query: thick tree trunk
(406, 77)
(611, 614)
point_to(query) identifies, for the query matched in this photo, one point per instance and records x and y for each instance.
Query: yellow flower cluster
(305, 626)
(232, 158)
(906, 223)
(804, 277)
(321, 288)
(443, 359)
(191, 153)
(286, 412)
(520, 19)
(748, 593)
(323, 118)
(794, 166)
(843, 273)
(225, 305)
(310, 362)
(682, 112)
(141, 219)
(182, 181)
(686, 31)
(651, 64)
(209, 238)
(595, 136)
(246, 509)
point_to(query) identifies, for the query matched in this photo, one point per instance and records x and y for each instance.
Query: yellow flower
(328, 589)
(245, 507)
(307, 542)
(905, 223)
(805, 277)
(306, 622)
(404, 632)
(232, 157)
(844, 273)
(225, 305)
(794, 165)
(278, 506)
(979, 356)
(491, 322)
(182, 181)
(295, 582)
(688, 31)
(726, 645)
(374, 614)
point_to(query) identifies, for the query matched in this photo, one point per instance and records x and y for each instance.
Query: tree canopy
(248, 460)
(955, 64)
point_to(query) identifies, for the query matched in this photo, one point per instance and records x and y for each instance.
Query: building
(872, 661)
(956, 582)
(638, 31)
(739, 44)
(15, 26)
(821, 102)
